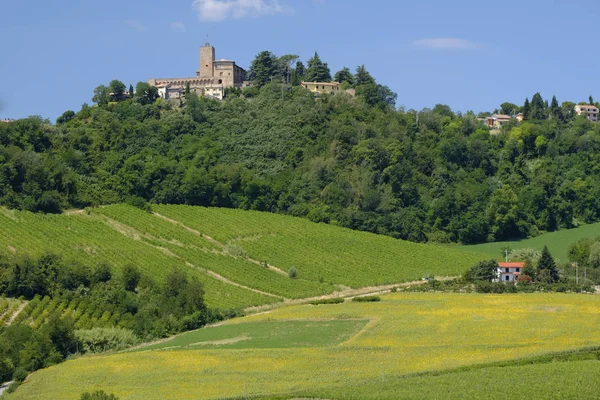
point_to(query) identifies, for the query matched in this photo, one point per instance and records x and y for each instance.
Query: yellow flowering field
(406, 333)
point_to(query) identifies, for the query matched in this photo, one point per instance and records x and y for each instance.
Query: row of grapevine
(84, 313)
(190, 247)
(89, 239)
(323, 252)
(8, 308)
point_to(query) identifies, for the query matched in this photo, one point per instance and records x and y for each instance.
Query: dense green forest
(433, 175)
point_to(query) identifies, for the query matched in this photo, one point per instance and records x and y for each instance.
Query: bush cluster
(147, 310)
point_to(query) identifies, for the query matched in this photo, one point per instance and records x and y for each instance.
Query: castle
(211, 80)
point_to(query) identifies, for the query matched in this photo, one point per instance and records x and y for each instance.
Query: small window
(220, 81)
(507, 278)
(505, 269)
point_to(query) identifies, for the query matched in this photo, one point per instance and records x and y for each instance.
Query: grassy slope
(558, 242)
(408, 333)
(323, 252)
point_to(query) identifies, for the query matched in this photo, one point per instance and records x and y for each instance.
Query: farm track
(16, 313)
(136, 235)
(214, 241)
(346, 293)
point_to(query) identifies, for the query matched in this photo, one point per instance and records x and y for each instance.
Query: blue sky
(471, 55)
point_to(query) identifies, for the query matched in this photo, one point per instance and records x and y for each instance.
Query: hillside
(241, 257)
(558, 242)
(429, 176)
(353, 350)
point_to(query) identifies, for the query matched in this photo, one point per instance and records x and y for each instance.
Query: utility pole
(577, 273)
(506, 251)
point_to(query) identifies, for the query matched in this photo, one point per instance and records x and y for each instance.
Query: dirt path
(227, 281)
(187, 228)
(16, 313)
(346, 293)
(74, 212)
(132, 233)
(218, 243)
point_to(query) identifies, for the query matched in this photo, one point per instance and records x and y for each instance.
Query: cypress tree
(526, 109)
(591, 100)
(131, 91)
(187, 89)
(555, 110)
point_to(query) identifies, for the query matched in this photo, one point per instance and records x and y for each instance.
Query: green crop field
(265, 334)
(241, 257)
(407, 334)
(558, 242)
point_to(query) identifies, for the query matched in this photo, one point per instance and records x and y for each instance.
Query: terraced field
(241, 257)
(330, 351)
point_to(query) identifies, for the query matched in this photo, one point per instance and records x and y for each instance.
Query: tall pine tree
(317, 70)
(363, 77)
(344, 75)
(264, 67)
(546, 268)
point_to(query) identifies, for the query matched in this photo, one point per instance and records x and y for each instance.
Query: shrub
(293, 273)
(236, 251)
(337, 300)
(20, 375)
(367, 299)
(98, 340)
(139, 202)
(99, 395)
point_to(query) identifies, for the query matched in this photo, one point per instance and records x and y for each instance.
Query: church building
(211, 80)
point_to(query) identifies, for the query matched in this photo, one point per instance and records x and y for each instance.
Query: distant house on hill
(497, 120)
(509, 271)
(322, 87)
(589, 111)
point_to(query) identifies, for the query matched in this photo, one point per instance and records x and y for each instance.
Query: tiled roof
(511, 264)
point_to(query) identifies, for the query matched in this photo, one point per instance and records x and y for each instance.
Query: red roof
(511, 264)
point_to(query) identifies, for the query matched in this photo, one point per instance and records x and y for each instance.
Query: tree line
(429, 176)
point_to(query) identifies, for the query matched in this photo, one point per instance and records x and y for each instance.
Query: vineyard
(84, 314)
(89, 239)
(241, 257)
(322, 252)
(8, 309)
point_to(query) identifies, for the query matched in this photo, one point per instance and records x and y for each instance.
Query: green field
(241, 257)
(558, 242)
(265, 335)
(407, 334)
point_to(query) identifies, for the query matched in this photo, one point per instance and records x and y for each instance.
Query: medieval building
(211, 80)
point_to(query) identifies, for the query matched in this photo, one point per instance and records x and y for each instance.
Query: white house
(588, 110)
(509, 271)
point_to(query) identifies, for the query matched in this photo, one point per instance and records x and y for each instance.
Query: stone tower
(207, 59)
